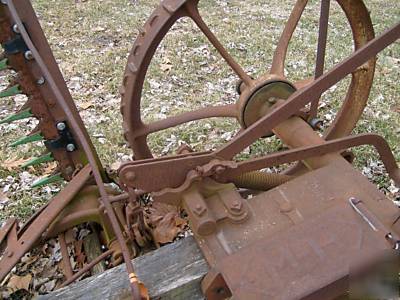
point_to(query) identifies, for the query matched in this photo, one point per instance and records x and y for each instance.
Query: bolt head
(28, 55)
(70, 147)
(15, 28)
(61, 126)
(237, 206)
(316, 123)
(272, 100)
(40, 81)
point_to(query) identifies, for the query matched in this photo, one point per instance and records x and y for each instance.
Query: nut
(199, 210)
(237, 206)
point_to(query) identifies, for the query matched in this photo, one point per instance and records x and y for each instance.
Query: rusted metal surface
(162, 19)
(65, 257)
(305, 226)
(257, 130)
(40, 96)
(87, 267)
(269, 219)
(322, 40)
(75, 123)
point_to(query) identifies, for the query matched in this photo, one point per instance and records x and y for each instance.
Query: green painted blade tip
(11, 91)
(38, 160)
(18, 116)
(47, 180)
(4, 64)
(28, 139)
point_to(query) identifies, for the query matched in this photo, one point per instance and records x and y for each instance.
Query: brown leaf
(13, 163)
(115, 166)
(19, 282)
(86, 105)
(166, 222)
(166, 65)
(3, 198)
(49, 168)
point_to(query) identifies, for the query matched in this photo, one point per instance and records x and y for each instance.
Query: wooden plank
(92, 247)
(171, 272)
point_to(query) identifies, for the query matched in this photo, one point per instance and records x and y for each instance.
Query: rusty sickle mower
(298, 234)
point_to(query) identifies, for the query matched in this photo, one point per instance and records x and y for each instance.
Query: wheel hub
(257, 102)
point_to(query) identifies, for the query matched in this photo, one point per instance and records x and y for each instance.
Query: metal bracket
(16, 45)
(64, 141)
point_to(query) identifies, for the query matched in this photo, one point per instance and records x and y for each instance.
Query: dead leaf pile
(166, 222)
(13, 163)
(40, 271)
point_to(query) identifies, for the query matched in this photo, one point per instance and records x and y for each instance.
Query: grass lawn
(91, 41)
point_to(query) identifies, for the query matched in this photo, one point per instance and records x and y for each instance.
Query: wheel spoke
(278, 61)
(322, 40)
(227, 111)
(195, 15)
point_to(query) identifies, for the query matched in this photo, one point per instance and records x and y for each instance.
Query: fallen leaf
(165, 222)
(19, 282)
(3, 198)
(115, 166)
(166, 65)
(50, 285)
(86, 105)
(13, 163)
(49, 168)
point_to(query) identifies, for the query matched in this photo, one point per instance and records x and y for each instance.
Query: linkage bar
(317, 150)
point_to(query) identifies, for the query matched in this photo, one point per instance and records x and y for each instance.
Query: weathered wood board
(171, 272)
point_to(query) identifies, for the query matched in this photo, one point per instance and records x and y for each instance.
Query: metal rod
(67, 267)
(228, 111)
(322, 40)
(87, 268)
(280, 53)
(303, 153)
(195, 15)
(29, 236)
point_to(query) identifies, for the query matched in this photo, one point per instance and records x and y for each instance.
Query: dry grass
(91, 40)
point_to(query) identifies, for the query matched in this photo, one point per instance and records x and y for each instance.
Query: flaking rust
(301, 230)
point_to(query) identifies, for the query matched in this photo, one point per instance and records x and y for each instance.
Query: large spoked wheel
(255, 94)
